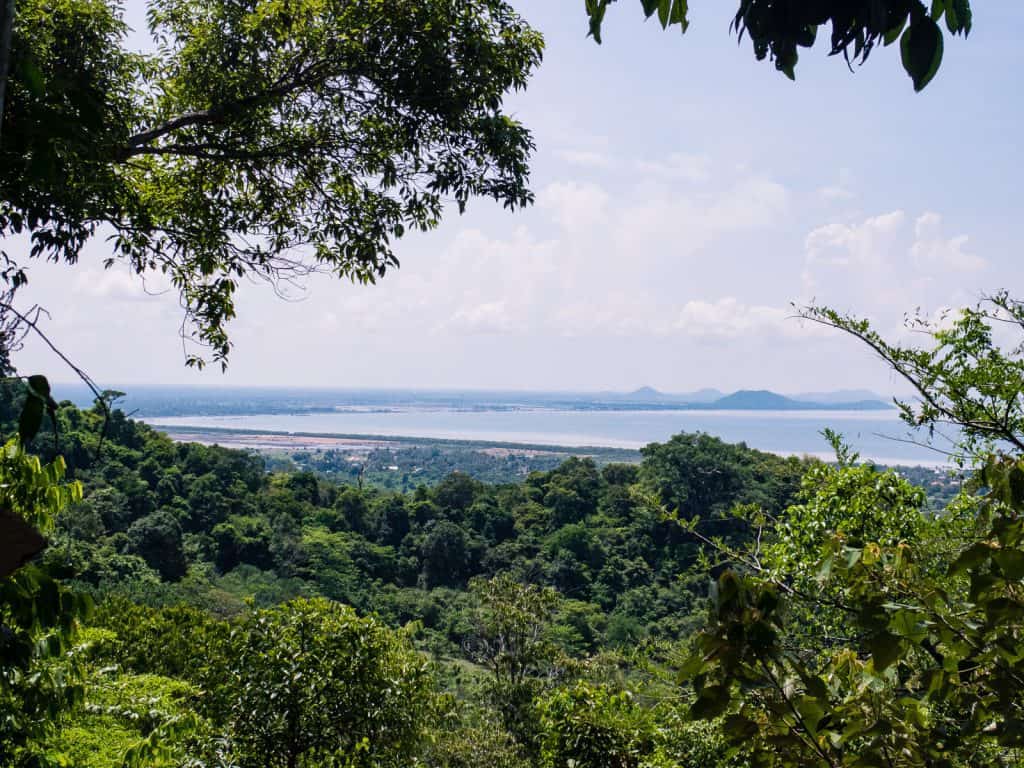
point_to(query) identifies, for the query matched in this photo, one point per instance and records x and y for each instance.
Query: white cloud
(885, 266)
(576, 206)
(729, 318)
(840, 190)
(117, 284)
(933, 251)
(586, 158)
(834, 192)
(490, 317)
(854, 245)
(677, 165)
(664, 222)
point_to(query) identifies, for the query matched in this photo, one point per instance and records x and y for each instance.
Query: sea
(878, 436)
(584, 420)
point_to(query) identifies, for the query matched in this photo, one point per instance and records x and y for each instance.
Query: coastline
(265, 440)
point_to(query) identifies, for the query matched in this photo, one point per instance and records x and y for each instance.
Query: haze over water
(876, 435)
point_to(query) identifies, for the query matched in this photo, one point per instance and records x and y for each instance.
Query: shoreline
(266, 439)
(289, 441)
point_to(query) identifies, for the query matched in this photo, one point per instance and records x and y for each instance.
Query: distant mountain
(645, 393)
(763, 400)
(702, 396)
(839, 396)
(743, 400)
(652, 395)
(212, 401)
(758, 400)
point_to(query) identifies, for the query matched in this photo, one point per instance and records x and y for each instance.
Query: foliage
(137, 721)
(312, 684)
(467, 738)
(402, 469)
(180, 642)
(39, 670)
(257, 131)
(164, 523)
(592, 727)
(512, 622)
(512, 641)
(928, 667)
(859, 503)
(475, 566)
(33, 490)
(778, 30)
(966, 380)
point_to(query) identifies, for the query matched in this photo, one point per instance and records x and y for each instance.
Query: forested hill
(164, 523)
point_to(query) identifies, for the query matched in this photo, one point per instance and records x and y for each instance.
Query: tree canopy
(859, 631)
(778, 30)
(260, 139)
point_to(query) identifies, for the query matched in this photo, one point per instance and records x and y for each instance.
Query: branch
(6, 31)
(219, 112)
(100, 399)
(883, 351)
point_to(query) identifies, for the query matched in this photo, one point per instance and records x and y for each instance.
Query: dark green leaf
(1011, 563)
(921, 49)
(885, 650)
(711, 702)
(971, 558)
(31, 419)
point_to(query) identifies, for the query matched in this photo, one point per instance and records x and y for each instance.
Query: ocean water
(878, 435)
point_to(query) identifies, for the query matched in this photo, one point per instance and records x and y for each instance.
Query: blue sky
(686, 195)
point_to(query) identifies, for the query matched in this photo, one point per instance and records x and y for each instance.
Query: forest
(227, 612)
(181, 546)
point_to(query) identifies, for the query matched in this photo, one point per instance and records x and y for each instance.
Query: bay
(879, 436)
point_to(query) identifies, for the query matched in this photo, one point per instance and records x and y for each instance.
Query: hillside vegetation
(712, 605)
(187, 549)
(163, 523)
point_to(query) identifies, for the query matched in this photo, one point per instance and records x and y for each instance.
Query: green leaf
(680, 8)
(1016, 483)
(739, 727)
(921, 50)
(909, 624)
(812, 710)
(1011, 563)
(33, 77)
(711, 703)
(885, 650)
(31, 419)
(971, 558)
(664, 11)
(961, 10)
(894, 34)
(39, 386)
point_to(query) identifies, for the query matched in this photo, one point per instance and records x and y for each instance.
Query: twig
(100, 399)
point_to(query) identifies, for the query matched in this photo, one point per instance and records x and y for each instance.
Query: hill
(840, 396)
(164, 522)
(764, 400)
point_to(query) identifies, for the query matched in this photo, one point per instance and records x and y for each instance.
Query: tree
(589, 726)
(39, 679)
(261, 139)
(312, 684)
(511, 639)
(927, 668)
(778, 30)
(156, 538)
(445, 554)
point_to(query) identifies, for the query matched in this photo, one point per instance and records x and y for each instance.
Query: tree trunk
(6, 29)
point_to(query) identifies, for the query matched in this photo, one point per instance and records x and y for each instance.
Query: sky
(687, 196)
